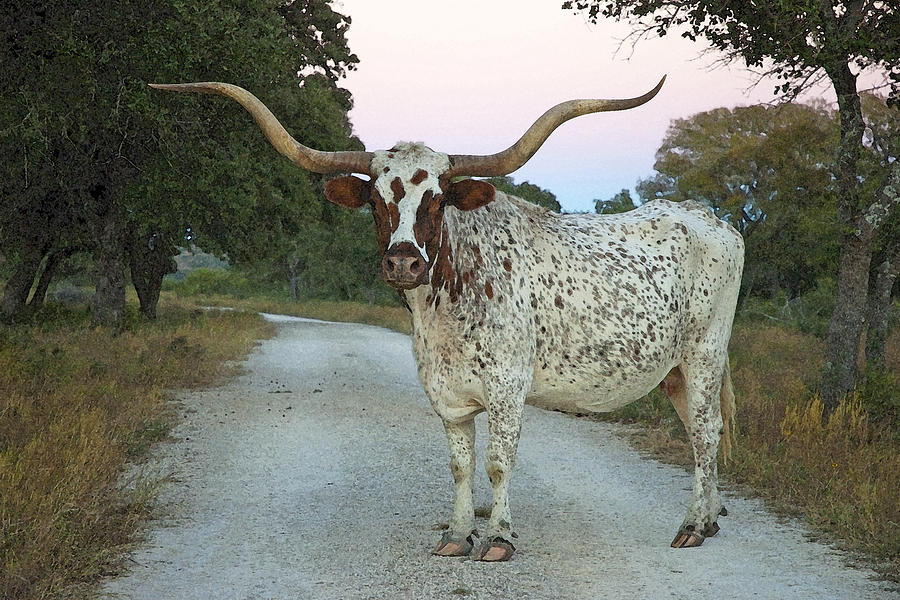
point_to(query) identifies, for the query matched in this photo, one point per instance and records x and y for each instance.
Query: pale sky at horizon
(469, 77)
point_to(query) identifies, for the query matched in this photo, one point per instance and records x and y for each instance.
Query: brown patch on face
(489, 290)
(507, 265)
(558, 302)
(418, 177)
(397, 188)
(382, 216)
(429, 219)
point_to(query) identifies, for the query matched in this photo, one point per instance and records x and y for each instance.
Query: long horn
(518, 154)
(308, 158)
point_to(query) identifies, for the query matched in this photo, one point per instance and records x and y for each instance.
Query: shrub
(210, 282)
(879, 393)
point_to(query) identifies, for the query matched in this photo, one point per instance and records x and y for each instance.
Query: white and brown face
(408, 195)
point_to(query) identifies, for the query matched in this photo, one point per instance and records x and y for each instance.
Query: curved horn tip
(203, 87)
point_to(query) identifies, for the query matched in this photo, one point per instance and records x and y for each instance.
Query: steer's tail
(729, 410)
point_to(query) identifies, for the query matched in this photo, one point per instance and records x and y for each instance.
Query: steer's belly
(594, 394)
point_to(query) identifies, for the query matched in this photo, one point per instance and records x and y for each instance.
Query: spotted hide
(512, 305)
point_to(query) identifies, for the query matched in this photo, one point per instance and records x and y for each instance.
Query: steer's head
(410, 186)
(408, 192)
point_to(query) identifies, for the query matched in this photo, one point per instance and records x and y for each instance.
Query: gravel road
(322, 473)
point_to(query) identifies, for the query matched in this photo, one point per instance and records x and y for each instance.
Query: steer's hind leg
(703, 380)
(457, 540)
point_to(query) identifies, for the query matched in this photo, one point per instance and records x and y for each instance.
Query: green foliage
(526, 191)
(95, 143)
(621, 202)
(769, 171)
(808, 312)
(213, 281)
(793, 40)
(879, 393)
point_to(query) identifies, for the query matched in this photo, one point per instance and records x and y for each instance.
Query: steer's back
(618, 299)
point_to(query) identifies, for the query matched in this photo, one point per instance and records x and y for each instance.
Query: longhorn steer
(513, 304)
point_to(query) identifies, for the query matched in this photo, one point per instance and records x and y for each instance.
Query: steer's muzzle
(403, 267)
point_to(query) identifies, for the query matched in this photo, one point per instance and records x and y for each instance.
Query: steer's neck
(473, 249)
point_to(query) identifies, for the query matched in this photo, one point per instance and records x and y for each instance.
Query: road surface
(323, 473)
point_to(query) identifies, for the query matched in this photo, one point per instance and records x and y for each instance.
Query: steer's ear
(348, 191)
(469, 194)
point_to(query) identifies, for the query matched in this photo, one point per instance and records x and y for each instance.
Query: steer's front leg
(457, 540)
(504, 426)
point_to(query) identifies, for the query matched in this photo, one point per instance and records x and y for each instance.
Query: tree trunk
(40, 292)
(15, 294)
(879, 308)
(109, 295)
(150, 259)
(845, 328)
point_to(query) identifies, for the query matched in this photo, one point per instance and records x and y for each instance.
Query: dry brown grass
(76, 403)
(839, 472)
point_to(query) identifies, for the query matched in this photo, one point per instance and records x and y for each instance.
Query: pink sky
(470, 76)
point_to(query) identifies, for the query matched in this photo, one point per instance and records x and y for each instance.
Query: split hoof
(687, 539)
(448, 546)
(495, 550)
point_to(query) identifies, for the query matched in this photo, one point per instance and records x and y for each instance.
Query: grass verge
(77, 403)
(391, 317)
(838, 472)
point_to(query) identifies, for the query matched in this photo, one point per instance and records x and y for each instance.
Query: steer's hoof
(450, 546)
(711, 529)
(495, 549)
(687, 538)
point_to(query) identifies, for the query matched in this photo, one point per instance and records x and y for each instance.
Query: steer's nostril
(415, 267)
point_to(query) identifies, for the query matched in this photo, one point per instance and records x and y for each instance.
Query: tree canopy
(104, 164)
(527, 191)
(769, 172)
(621, 202)
(797, 41)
